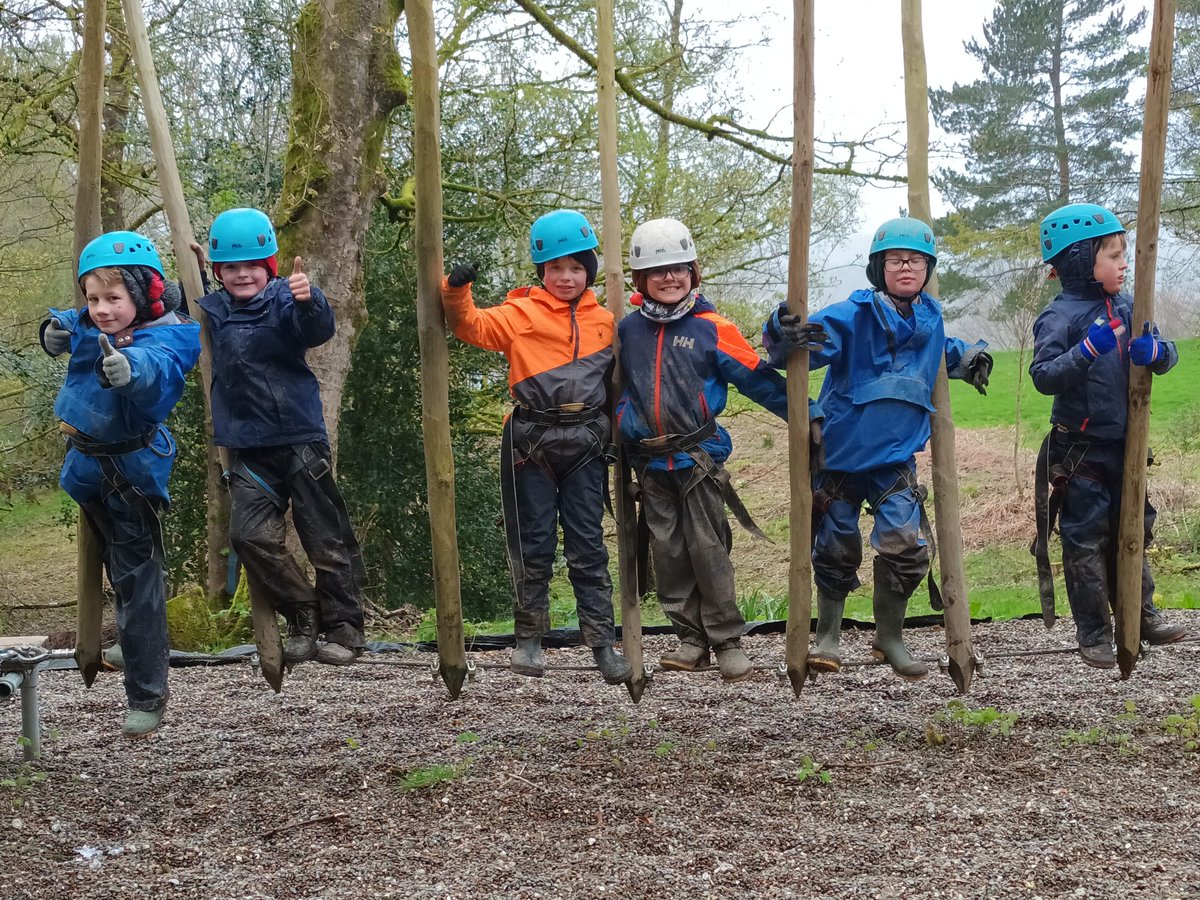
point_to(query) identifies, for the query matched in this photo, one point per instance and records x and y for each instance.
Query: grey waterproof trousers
(690, 538)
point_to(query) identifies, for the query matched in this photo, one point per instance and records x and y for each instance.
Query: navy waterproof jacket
(160, 355)
(1090, 397)
(263, 392)
(677, 376)
(876, 397)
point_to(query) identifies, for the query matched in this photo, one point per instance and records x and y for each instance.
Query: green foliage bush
(381, 456)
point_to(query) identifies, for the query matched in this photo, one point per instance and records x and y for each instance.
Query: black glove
(979, 371)
(462, 273)
(802, 335)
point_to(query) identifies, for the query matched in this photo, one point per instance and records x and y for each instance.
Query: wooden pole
(1130, 546)
(435, 356)
(88, 577)
(614, 296)
(188, 268)
(266, 623)
(800, 229)
(957, 614)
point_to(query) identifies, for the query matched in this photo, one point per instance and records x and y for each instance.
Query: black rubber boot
(301, 643)
(889, 644)
(614, 668)
(824, 656)
(527, 657)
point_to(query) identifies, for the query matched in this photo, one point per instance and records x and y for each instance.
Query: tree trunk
(346, 81)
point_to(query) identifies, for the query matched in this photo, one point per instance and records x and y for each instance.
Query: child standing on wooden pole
(267, 412)
(883, 348)
(553, 458)
(1081, 356)
(130, 352)
(678, 357)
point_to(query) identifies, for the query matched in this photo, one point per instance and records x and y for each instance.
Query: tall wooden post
(800, 228)
(435, 356)
(614, 297)
(1130, 547)
(88, 584)
(266, 623)
(957, 613)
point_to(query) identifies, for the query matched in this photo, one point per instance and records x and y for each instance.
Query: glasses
(679, 270)
(917, 264)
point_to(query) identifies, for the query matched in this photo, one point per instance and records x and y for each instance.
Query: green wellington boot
(527, 657)
(824, 656)
(888, 644)
(140, 723)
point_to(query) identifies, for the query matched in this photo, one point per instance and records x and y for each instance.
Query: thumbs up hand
(114, 366)
(298, 282)
(1145, 349)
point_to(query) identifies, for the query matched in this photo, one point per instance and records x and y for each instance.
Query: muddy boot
(688, 658)
(527, 657)
(889, 644)
(334, 654)
(113, 657)
(301, 643)
(824, 656)
(1159, 631)
(735, 665)
(1099, 656)
(140, 723)
(614, 668)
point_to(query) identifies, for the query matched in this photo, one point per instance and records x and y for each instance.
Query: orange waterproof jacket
(558, 353)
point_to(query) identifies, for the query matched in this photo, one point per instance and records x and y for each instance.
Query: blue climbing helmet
(241, 235)
(1073, 223)
(119, 248)
(563, 232)
(903, 233)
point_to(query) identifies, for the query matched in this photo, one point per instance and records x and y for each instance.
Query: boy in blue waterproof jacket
(678, 357)
(130, 352)
(267, 410)
(883, 348)
(1081, 356)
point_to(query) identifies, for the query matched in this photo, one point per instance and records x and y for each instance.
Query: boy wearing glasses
(677, 360)
(883, 348)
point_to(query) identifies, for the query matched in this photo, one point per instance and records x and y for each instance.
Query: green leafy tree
(1050, 121)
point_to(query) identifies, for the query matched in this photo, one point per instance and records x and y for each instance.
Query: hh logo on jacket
(681, 341)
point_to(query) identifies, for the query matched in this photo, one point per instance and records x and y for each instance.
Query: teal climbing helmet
(560, 233)
(904, 233)
(241, 235)
(120, 248)
(1076, 222)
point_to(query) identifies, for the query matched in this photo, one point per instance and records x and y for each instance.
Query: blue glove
(1101, 338)
(1146, 349)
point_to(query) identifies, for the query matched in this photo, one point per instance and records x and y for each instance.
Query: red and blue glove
(1101, 338)
(1146, 349)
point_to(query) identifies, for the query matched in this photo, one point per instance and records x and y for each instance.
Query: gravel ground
(561, 787)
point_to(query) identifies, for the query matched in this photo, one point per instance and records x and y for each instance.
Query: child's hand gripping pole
(298, 282)
(113, 364)
(1146, 349)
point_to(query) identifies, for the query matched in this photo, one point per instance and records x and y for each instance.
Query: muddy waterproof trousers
(264, 481)
(896, 535)
(537, 498)
(133, 558)
(1089, 522)
(690, 538)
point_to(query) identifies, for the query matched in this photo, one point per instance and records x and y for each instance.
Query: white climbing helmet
(661, 242)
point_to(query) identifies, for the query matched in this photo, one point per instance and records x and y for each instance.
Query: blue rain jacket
(1091, 398)
(160, 356)
(263, 392)
(677, 376)
(882, 368)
